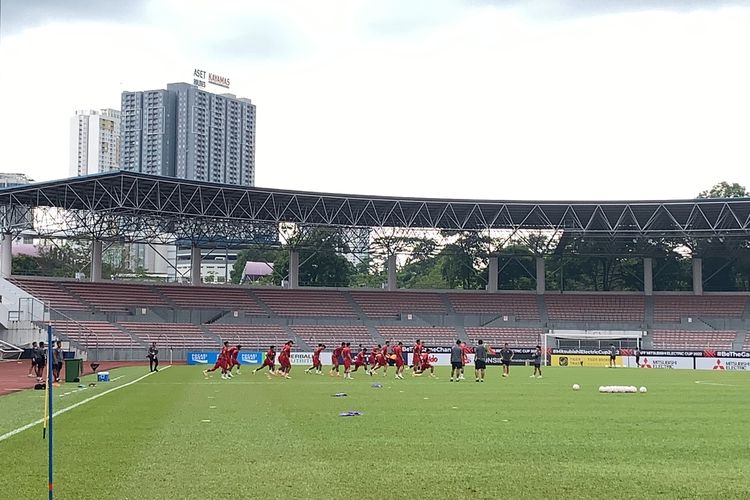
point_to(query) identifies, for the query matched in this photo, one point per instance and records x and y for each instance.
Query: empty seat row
(515, 337)
(686, 339)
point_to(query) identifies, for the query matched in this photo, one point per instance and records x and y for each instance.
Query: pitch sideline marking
(713, 383)
(74, 405)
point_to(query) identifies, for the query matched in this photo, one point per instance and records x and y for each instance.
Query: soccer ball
(643, 390)
(576, 387)
(601, 388)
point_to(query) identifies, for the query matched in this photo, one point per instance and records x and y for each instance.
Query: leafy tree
(464, 263)
(321, 262)
(424, 273)
(597, 265)
(725, 190)
(368, 273)
(517, 267)
(26, 265)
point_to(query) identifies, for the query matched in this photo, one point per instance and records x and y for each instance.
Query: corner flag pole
(50, 364)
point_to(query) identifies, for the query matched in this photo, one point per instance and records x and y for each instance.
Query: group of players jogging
(379, 357)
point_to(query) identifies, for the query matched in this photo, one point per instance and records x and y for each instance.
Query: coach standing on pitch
(506, 355)
(153, 357)
(480, 361)
(457, 360)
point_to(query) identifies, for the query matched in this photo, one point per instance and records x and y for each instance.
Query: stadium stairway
(208, 333)
(648, 309)
(740, 340)
(375, 334)
(746, 312)
(448, 305)
(261, 304)
(164, 297)
(357, 308)
(542, 305)
(298, 342)
(461, 331)
(76, 296)
(126, 332)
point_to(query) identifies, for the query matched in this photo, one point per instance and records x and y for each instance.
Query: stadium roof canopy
(129, 206)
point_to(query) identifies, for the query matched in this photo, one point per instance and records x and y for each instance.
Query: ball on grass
(643, 390)
(576, 387)
(601, 388)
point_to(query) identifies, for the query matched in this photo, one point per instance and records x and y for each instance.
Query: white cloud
(464, 101)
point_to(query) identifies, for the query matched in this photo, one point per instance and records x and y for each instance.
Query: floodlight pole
(49, 410)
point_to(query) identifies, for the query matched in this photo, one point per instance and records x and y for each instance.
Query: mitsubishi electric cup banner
(722, 364)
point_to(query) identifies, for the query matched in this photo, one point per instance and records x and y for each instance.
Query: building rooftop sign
(202, 77)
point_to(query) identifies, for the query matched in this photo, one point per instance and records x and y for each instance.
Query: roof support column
(540, 284)
(492, 276)
(195, 265)
(391, 263)
(293, 269)
(697, 275)
(648, 276)
(6, 255)
(96, 260)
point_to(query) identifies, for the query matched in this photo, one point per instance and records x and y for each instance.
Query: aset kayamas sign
(201, 77)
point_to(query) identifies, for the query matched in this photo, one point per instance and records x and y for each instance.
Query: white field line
(74, 405)
(713, 383)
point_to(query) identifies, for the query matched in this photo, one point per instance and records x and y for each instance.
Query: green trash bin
(73, 369)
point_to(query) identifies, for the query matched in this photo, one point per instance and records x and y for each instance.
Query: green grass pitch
(177, 435)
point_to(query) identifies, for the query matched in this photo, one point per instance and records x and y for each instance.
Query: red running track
(14, 374)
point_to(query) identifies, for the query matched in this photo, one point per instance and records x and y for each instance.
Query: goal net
(9, 351)
(593, 342)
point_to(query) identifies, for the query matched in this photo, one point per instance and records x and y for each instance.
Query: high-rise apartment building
(188, 133)
(94, 141)
(148, 132)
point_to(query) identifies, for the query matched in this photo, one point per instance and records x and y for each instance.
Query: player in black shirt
(506, 355)
(537, 362)
(41, 362)
(153, 357)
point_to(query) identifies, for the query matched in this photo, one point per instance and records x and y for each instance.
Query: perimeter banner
(583, 360)
(209, 358)
(669, 362)
(722, 364)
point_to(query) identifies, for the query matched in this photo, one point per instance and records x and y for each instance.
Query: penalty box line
(75, 405)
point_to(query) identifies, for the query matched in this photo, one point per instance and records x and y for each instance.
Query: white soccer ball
(601, 388)
(576, 387)
(643, 390)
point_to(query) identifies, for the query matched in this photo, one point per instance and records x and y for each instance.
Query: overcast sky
(504, 99)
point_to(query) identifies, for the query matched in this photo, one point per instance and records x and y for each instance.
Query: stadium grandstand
(117, 320)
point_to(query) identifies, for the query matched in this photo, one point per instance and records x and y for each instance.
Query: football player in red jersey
(424, 364)
(416, 356)
(317, 366)
(270, 361)
(285, 359)
(222, 362)
(398, 352)
(234, 353)
(466, 351)
(361, 360)
(335, 355)
(346, 353)
(373, 360)
(385, 349)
